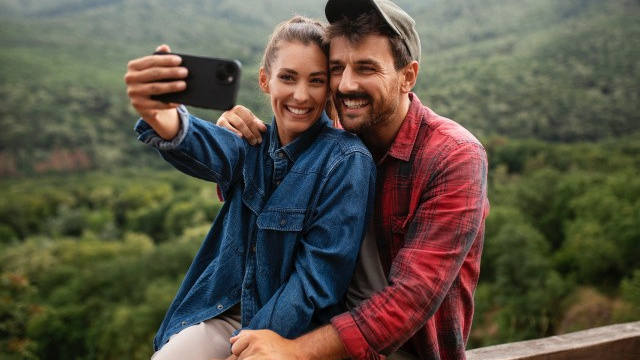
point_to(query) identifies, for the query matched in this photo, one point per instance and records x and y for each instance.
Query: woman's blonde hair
(297, 29)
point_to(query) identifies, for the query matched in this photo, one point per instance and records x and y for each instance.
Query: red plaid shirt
(431, 203)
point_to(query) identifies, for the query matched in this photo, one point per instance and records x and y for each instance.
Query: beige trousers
(204, 341)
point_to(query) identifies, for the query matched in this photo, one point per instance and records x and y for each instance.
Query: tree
(527, 291)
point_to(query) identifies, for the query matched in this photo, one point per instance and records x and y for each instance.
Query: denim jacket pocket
(281, 220)
(276, 252)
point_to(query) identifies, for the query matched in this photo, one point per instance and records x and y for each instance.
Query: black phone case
(212, 83)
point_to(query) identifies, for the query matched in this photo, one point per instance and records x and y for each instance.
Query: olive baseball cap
(399, 21)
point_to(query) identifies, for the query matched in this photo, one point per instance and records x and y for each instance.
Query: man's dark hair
(370, 23)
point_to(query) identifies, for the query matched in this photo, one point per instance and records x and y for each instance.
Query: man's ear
(410, 77)
(263, 80)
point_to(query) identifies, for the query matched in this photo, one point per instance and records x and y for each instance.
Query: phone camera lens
(226, 73)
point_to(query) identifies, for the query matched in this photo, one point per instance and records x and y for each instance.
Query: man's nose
(348, 81)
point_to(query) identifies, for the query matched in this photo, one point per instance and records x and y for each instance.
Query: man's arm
(243, 123)
(323, 343)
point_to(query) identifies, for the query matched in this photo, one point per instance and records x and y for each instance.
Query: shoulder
(446, 134)
(336, 150)
(441, 145)
(445, 128)
(426, 135)
(341, 142)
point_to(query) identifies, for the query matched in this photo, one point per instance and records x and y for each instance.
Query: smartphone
(212, 83)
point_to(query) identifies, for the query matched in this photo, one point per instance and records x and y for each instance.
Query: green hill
(560, 71)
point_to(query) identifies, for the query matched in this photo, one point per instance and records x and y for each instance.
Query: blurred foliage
(559, 71)
(98, 292)
(563, 218)
(96, 232)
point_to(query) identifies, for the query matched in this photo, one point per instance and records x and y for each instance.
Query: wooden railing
(615, 342)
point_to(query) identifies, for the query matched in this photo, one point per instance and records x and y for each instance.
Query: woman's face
(298, 85)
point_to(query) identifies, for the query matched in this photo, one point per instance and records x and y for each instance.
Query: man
(431, 200)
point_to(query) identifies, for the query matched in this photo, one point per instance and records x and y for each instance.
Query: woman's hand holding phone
(146, 77)
(158, 83)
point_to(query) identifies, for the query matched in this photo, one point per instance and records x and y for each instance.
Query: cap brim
(335, 10)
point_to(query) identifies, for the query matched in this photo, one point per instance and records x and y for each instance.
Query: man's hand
(321, 343)
(143, 79)
(241, 121)
(262, 345)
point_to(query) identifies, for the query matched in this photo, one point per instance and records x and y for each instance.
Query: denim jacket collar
(299, 145)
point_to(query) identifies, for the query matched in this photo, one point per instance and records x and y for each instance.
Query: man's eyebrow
(359, 62)
(370, 62)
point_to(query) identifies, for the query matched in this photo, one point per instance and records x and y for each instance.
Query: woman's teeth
(298, 111)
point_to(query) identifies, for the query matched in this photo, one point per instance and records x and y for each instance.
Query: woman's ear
(263, 79)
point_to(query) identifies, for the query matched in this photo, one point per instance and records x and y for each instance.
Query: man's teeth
(298, 111)
(355, 104)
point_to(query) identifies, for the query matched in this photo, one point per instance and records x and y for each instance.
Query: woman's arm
(201, 149)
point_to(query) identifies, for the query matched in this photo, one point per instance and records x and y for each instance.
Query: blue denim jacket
(286, 240)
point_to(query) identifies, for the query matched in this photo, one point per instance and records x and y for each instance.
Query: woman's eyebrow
(294, 72)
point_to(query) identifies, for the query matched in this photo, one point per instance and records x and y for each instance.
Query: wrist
(166, 123)
(323, 343)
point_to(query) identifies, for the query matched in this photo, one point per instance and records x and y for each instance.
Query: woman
(282, 250)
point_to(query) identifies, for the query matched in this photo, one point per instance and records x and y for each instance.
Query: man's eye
(336, 69)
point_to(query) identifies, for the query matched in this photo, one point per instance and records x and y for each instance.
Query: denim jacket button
(184, 323)
(283, 222)
(220, 306)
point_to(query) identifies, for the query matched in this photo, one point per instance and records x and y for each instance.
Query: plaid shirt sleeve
(430, 216)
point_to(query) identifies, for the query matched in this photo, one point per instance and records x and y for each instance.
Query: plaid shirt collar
(403, 144)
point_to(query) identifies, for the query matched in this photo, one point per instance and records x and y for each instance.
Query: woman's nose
(301, 92)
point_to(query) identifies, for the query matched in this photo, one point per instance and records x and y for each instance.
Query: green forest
(96, 231)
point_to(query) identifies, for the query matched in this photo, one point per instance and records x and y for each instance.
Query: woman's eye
(286, 77)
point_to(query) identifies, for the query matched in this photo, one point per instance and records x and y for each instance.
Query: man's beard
(379, 113)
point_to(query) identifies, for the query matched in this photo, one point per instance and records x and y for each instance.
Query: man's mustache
(352, 96)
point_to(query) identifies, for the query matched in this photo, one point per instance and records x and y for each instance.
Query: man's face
(365, 84)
